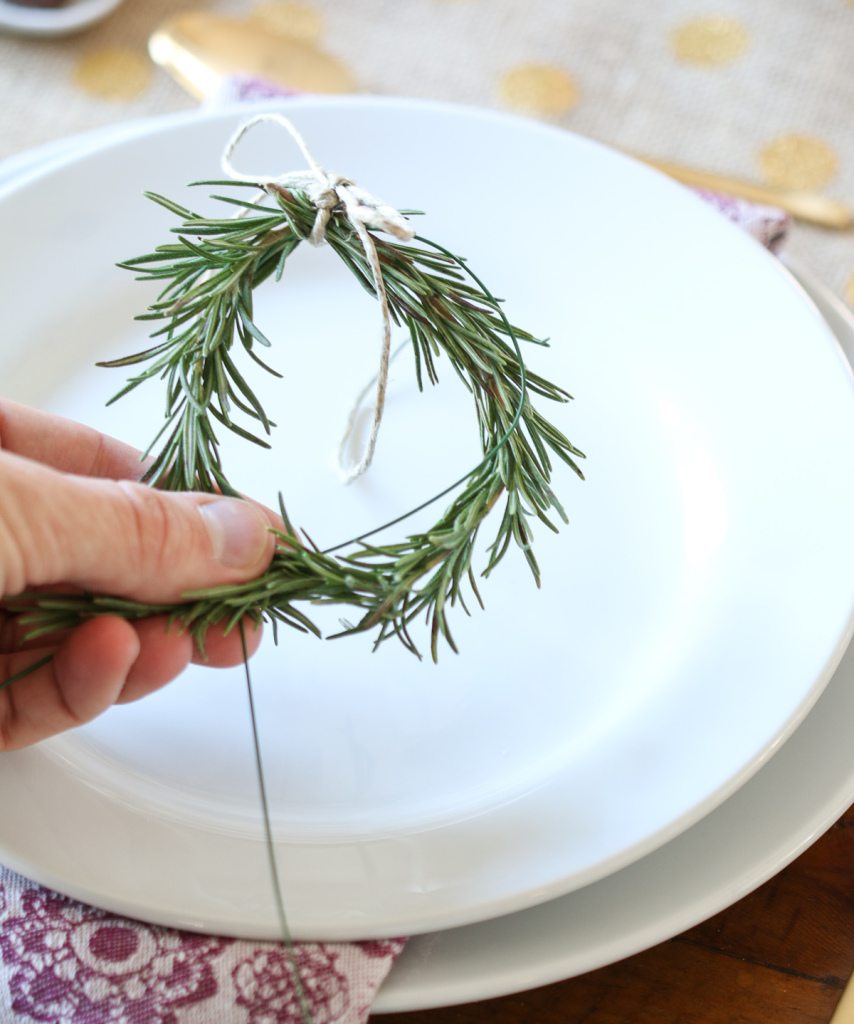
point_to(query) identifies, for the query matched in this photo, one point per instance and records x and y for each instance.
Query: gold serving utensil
(199, 49)
(805, 206)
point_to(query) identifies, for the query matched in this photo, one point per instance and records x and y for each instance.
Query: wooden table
(780, 956)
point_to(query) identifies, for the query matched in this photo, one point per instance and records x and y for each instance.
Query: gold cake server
(199, 50)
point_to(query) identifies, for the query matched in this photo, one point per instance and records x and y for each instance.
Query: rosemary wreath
(208, 275)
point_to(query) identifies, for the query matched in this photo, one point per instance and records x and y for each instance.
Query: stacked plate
(611, 758)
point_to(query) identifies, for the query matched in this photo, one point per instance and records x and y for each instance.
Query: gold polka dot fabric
(759, 89)
(710, 41)
(539, 89)
(798, 162)
(115, 73)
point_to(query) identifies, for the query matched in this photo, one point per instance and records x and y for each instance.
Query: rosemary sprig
(206, 328)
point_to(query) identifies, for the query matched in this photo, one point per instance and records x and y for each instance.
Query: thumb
(122, 538)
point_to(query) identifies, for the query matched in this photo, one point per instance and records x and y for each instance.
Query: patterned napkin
(62, 962)
(66, 963)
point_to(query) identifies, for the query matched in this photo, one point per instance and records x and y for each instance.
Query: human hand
(71, 515)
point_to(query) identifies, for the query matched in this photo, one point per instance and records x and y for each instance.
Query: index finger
(72, 447)
(65, 445)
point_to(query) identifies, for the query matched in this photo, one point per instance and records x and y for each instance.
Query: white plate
(773, 818)
(37, 158)
(689, 618)
(59, 21)
(686, 881)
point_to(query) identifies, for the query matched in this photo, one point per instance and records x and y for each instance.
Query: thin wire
(523, 397)
(284, 930)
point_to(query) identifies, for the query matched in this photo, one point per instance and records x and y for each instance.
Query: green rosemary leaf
(250, 326)
(169, 204)
(235, 428)
(230, 182)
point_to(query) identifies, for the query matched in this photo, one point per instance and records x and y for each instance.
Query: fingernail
(238, 532)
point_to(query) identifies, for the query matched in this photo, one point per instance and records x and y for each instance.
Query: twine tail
(352, 472)
(363, 211)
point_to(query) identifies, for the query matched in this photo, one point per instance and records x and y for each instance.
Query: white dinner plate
(773, 818)
(18, 165)
(73, 16)
(731, 851)
(689, 618)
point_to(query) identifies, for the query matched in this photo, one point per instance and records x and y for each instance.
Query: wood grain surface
(782, 955)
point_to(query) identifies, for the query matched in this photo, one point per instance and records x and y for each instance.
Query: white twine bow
(327, 192)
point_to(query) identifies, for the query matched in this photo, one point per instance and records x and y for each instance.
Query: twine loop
(329, 192)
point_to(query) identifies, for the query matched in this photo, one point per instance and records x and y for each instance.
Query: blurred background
(760, 89)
